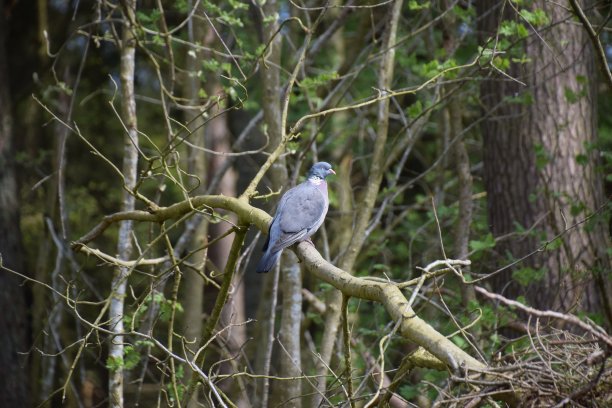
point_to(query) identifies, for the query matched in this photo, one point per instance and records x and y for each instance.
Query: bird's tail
(267, 261)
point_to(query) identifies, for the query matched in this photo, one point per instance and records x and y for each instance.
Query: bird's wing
(300, 213)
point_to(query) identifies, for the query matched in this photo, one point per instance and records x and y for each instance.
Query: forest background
(465, 259)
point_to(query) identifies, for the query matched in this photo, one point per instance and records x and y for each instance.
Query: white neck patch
(315, 180)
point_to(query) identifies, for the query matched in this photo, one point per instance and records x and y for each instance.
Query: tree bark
(193, 289)
(14, 386)
(271, 104)
(289, 332)
(130, 168)
(217, 132)
(540, 172)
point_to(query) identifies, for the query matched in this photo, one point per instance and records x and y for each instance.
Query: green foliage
(527, 275)
(523, 98)
(311, 83)
(165, 308)
(415, 5)
(180, 386)
(114, 363)
(542, 156)
(182, 6)
(582, 159)
(465, 14)
(149, 18)
(554, 244)
(435, 67)
(577, 207)
(131, 357)
(459, 341)
(537, 17)
(129, 360)
(512, 28)
(415, 110)
(487, 242)
(410, 392)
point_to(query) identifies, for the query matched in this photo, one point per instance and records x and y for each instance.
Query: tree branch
(388, 294)
(599, 51)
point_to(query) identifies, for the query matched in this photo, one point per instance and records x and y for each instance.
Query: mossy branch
(387, 293)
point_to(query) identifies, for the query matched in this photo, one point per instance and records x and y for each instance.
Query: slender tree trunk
(233, 313)
(218, 133)
(193, 289)
(14, 386)
(364, 211)
(540, 172)
(271, 103)
(40, 295)
(454, 123)
(289, 333)
(130, 167)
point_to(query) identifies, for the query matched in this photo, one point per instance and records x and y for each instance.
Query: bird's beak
(332, 171)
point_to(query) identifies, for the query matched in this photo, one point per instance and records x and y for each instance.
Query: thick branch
(206, 203)
(412, 327)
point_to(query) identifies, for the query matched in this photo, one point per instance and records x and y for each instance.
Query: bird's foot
(309, 241)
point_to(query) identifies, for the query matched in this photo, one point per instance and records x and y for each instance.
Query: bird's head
(321, 170)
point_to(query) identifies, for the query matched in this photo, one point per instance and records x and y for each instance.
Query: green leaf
(582, 159)
(512, 28)
(418, 5)
(459, 341)
(528, 275)
(415, 110)
(238, 5)
(523, 98)
(501, 63)
(577, 208)
(536, 18)
(522, 31)
(487, 243)
(321, 79)
(542, 156)
(507, 28)
(570, 95)
(554, 244)
(524, 59)
(486, 54)
(144, 343)
(270, 18)
(519, 228)
(131, 357)
(114, 363)
(409, 391)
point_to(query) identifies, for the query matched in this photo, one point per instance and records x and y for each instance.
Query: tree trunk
(14, 386)
(271, 104)
(364, 209)
(539, 170)
(130, 167)
(193, 289)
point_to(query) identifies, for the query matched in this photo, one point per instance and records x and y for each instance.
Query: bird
(299, 214)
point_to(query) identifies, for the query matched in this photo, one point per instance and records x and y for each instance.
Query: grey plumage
(300, 213)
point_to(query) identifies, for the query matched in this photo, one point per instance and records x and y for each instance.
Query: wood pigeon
(300, 213)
